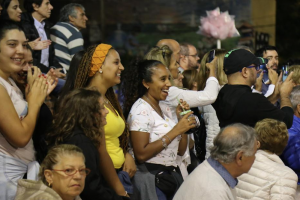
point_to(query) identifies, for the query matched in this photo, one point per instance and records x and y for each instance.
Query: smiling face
(103, 111)
(14, 11)
(80, 20)
(67, 186)
(112, 68)
(43, 11)
(12, 49)
(159, 87)
(21, 77)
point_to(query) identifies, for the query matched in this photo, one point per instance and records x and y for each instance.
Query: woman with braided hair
(101, 68)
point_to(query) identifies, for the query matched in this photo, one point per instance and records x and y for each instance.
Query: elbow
(181, 153)
(140, 158)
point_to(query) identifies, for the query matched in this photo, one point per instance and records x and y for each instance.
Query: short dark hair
(184, 48)
(260, 52)
(69, 10)
(8, 25)
(28, 5)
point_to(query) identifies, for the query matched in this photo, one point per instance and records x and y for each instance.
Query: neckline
(161, 116)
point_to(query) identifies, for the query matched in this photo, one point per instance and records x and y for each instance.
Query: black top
(31, 34)
(237, 104)
(94, 183)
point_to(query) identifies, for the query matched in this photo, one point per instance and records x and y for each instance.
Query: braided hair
(82, 79)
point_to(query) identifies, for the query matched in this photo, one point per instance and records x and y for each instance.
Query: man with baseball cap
(237, 103)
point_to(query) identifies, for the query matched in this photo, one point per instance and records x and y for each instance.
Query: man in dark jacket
(237, 104)
(35, 25)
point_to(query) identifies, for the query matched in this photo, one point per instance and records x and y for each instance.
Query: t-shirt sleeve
(140, 118)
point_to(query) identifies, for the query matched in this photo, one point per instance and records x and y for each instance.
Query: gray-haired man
(232, 155)
(66, 34)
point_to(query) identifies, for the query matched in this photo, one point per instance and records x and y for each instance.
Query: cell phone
(284, 72)
(211, 55)
(264, 68)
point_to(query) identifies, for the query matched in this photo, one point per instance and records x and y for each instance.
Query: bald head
(172, 44)
(175, 48)
(231, 140)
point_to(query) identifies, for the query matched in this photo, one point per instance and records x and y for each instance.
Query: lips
(17, 61)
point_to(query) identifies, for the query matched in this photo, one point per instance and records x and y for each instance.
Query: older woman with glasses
(62, 176)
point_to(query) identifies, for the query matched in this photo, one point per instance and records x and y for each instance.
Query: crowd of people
(179, 127)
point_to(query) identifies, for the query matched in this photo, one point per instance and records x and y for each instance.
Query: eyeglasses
(71, 172)
(195, 56)
(251, 66)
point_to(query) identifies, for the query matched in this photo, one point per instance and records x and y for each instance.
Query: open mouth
(22, 75)
(166, 92)
(17, 61)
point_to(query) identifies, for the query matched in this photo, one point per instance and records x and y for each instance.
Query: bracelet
(168, 138)
(164, 143)
(125, 194)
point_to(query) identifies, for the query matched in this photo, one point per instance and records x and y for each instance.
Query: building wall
(264, 17)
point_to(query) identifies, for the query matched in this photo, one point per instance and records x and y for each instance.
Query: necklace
(155, 107)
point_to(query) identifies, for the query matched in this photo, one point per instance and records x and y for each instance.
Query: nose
(85, 17)
(198, 58)
(50, 7)
(20, 49)
(25, 67)
(106, 111)
(19, 10)
(77, 175)
(121, 67)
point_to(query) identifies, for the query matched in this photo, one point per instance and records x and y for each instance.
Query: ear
(145, 84)
(245, 72)
(239, 158)
(35, 6)
(71, 19)
(48, 176)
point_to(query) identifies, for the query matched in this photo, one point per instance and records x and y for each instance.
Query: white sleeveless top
(25, 154)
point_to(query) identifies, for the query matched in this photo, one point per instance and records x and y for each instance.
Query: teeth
(166, 90)
(118, 74)
(17, 59)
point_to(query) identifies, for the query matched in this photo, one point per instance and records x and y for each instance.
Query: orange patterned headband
(98, 58)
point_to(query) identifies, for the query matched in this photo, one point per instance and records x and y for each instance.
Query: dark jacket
(94, 183)
(237, 104)
(31, 34)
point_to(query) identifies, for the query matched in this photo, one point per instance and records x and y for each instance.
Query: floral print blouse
(144, 118)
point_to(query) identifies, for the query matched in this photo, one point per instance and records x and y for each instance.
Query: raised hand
(37, 44)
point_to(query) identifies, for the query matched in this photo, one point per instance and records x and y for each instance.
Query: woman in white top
(17, 117)
(156, 139)
(268, 177)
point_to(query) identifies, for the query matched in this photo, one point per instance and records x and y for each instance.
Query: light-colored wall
(264, 18)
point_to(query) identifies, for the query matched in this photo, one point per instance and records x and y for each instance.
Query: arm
(195, 98)
(182, 144)
(144, 150)
(21, 132)
(285, 188)
(108, 170)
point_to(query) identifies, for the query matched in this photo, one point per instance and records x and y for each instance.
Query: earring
(147, 88)
(100, 71)
(49, 184)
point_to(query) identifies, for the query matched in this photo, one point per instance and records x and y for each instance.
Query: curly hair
(296, 74)
(82, 79)
(53, 157)
(272, 135)
(132, 87)
(80, 108)
(204, 71)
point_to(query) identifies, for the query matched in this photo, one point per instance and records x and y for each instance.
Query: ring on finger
(188, 120)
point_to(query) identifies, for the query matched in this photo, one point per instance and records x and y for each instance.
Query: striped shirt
(67, 40)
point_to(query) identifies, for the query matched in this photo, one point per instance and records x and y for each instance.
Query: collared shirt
(42, 33)
(232, 182)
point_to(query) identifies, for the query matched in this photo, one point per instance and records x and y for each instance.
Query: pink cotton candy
(219, 25)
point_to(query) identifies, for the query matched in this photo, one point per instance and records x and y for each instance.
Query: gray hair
(295, 97)
(184, 48)
(69, 10)
(228, 145)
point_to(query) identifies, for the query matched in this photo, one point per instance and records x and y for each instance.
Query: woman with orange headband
(101, 68)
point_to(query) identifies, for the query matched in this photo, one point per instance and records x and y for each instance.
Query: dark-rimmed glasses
(71, 172)
(195, 56)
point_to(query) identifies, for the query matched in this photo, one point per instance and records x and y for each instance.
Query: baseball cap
(236, 59)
